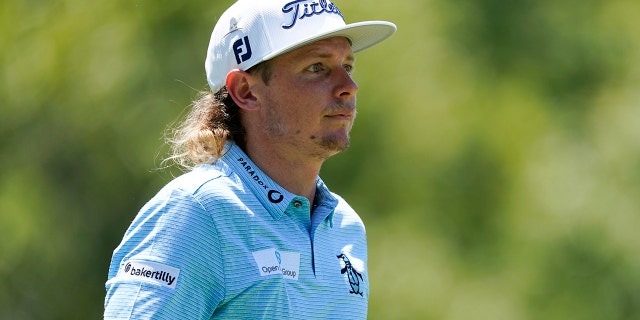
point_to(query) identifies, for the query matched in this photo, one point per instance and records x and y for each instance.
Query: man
(252, 232)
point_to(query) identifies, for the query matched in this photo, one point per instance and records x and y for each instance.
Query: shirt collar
(271, 195)
(324, 197)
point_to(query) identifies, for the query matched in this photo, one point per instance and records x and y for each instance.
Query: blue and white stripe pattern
(224, 241)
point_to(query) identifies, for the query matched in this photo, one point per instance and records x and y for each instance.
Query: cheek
(302, 121)
(304, 114)
(298, 107)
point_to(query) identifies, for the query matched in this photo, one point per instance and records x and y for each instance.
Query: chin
(334, 144)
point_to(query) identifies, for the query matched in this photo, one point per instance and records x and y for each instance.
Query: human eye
(348, 68)
(315, 68)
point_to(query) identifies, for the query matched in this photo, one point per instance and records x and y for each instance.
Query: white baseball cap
(252, 31)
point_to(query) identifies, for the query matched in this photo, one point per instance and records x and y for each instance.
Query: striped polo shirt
(224, 241)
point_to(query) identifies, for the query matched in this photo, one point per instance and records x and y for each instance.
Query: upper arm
(169, 264)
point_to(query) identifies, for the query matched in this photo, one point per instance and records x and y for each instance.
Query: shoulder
(345, 215)
(203, 185)
(343, 205)
(201, 179)
(193, 206)
(182, 210)
(170, 254)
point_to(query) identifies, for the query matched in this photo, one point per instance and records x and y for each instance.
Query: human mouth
(342, 113)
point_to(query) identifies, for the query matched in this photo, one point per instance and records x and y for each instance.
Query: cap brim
(361, 34)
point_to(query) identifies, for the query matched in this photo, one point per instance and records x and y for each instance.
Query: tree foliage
(495, 158)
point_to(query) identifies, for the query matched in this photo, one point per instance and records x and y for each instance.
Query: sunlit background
(495, 159)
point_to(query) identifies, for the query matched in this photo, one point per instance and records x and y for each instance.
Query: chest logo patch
(275, 262)
(355, 278)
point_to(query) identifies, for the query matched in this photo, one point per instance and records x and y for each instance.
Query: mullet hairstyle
(214, 120)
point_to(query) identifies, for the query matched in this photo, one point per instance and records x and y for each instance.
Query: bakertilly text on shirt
(149, 271)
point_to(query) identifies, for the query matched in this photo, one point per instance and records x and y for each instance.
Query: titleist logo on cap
(301, 9)
(253, 31)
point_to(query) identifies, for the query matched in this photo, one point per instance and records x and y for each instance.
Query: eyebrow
(349, 58)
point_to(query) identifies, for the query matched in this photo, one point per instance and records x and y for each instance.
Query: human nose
(346, 86)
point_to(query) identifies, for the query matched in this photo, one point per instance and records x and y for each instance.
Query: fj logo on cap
(242, 49)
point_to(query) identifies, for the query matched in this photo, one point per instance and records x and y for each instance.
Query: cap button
(233, 24)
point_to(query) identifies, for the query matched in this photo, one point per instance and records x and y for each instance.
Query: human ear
(239, 87)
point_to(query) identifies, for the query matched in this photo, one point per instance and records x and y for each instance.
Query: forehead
(335, 47)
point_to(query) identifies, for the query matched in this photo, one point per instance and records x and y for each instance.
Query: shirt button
(297, 204)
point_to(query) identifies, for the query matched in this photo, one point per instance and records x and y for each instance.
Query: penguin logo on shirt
(354, 276)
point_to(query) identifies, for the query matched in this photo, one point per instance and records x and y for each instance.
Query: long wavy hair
(214, 119)
(200, 138)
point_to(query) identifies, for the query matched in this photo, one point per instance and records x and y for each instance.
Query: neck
(293, 171)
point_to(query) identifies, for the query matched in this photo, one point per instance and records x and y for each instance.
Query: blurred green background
(495, 158)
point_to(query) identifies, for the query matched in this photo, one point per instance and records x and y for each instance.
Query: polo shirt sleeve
(169, 264)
